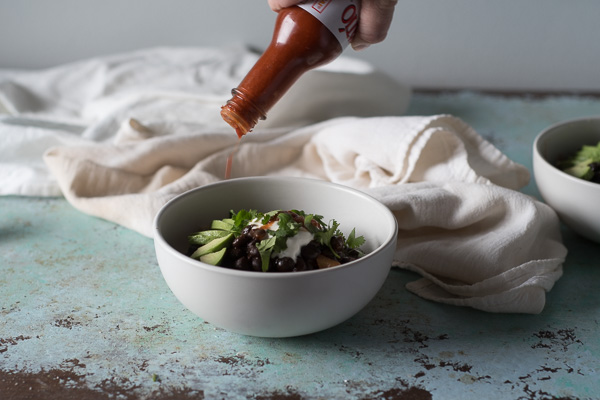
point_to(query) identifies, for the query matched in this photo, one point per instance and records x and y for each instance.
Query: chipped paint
(84, 313)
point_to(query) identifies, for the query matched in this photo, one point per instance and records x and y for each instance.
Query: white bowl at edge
(576, 201)
(275, 304)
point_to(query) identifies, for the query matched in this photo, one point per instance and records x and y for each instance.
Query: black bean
(258, 234)
(252, 250)
(595, 167)
(311, 250)
(237, 252)
(240, 241)
(285, 264)
(300, 264)
(337, 243)
(243, 263)
(256, 263)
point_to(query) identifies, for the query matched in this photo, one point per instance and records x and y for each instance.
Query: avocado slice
(581, 170)
(213, 246)
(226, 224)
(214, 258)
(204, 237)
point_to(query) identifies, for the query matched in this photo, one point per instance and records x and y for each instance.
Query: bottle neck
(241, 113)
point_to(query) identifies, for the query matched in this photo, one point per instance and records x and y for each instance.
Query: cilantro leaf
(265, 248)
(354, 242)
(287, 227)
(241, 219)
(309, 225)
(312, 222)
(324, 237)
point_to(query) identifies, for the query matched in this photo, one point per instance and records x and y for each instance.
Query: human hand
(373, 24)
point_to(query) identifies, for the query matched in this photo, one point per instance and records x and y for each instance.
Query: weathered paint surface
(85, 313)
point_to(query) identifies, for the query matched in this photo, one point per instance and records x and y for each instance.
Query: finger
(374, 23)
(277, 5)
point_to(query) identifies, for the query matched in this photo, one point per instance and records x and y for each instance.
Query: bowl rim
(158, 237)
(543, 159)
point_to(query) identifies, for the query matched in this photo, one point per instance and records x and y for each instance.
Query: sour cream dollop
(294, 243)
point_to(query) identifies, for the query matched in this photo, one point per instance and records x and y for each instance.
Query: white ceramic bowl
(275, 304)
(576, 201)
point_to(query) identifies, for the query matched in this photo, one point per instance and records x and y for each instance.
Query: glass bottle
(306, 36)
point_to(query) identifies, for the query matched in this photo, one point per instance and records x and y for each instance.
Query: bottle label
(339, 16)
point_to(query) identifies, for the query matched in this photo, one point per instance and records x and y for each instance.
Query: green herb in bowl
(585, 164)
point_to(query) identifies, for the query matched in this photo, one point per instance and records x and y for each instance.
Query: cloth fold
(464, 227)
(90, 101)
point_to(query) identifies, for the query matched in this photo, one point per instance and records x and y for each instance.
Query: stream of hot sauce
(239, 130)
(229, 162)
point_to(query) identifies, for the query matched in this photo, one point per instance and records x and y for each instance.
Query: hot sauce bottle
(306, 36)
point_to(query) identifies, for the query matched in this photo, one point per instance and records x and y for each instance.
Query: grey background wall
(534, 45)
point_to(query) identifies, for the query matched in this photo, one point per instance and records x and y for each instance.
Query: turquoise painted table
(85, 313)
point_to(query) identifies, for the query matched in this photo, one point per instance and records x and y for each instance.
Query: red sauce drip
(229, 163)
(269, 224)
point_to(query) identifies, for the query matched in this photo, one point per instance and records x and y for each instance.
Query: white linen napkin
(124, 134)
(88, 101)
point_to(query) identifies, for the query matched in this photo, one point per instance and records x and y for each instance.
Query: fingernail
(359, 46)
